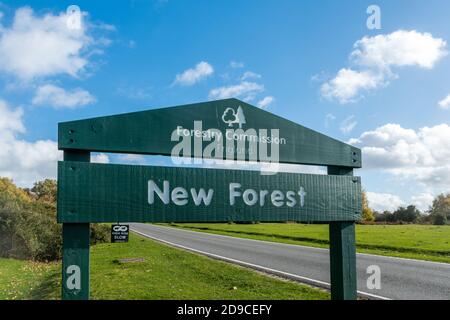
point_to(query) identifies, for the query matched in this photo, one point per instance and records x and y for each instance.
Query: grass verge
(21, 279)
(164, 273)
(406, 241)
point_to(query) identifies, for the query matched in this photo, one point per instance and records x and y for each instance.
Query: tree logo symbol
(230, 117)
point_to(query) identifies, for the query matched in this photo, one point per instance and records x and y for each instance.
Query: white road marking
(318, 283)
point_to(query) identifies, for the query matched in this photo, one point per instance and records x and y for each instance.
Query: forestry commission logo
(231, 117)
(232, 144)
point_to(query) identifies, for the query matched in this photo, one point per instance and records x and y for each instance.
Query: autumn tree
(367, 213)
(45, 190)
(440, 209)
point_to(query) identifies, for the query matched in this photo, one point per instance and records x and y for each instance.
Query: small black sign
(119, 233)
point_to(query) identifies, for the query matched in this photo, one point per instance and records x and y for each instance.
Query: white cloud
(400, 48)
(386, 201)
(422, 201)
(10, 120)
(329, 118)
(245, 88)
(374, 58)
(445, 103)
(258, 166)
(347, 84)
(419, 155)
(348, 125)
(132, 158)
(58, 98)
(100, 158)
(24, 162)
(191, 76)
(38, 46)
(383, 201)
(236, 64)
(265, 102)
(250, 75)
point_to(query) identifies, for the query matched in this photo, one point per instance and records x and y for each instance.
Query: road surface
(400, 278)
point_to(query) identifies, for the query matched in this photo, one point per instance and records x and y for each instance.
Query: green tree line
(437, 214)
(28, 227)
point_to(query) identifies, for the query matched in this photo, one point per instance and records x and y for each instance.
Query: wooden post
(75, 255)
(342, 253)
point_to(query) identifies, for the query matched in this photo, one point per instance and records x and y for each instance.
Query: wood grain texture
(119, 193)
(149, 132)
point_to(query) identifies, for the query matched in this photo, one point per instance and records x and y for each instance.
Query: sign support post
(75, 255)
(342, 252)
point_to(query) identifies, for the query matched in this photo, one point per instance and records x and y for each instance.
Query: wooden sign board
(150, 132)
(224, 129)
(90, 192)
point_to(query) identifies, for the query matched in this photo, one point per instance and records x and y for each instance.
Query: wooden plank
(342, 254)
(149, 132)
(119, 193)
(75, 249)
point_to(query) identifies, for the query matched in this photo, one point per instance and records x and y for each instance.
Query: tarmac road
(400, 278)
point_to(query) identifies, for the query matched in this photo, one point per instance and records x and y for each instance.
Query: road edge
(282, 274)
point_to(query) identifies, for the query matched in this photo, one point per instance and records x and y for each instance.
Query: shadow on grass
(49, 288)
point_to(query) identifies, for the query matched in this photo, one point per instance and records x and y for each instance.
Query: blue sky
(289, 53)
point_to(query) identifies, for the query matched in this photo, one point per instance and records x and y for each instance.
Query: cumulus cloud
(247, 89)
(445, 103)
(10, 120)
(58, 98)
(39, 46)
(347, 84)
(400, 48)
(384, 201)
(422, 201)
(421, 155)
(24, 162)
(348, 124)
(100, 158)
(191, 76)
(250, 75)
(373, 60)
(265, 102)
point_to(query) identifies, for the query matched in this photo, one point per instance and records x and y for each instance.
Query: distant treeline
(28, 227)
(437, 214)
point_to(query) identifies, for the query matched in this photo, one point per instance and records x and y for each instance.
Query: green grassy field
(407, 241)
(165, 273)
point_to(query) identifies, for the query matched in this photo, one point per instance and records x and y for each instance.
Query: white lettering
(291, 200)
(233, 193)
(179, 196)
(262, 197)
(152, 188)
(250, 197)
(277, 198)
(201, 196)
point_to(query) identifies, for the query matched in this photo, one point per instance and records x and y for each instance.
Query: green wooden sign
(223, 122)
(87, 193)
(225, 129)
